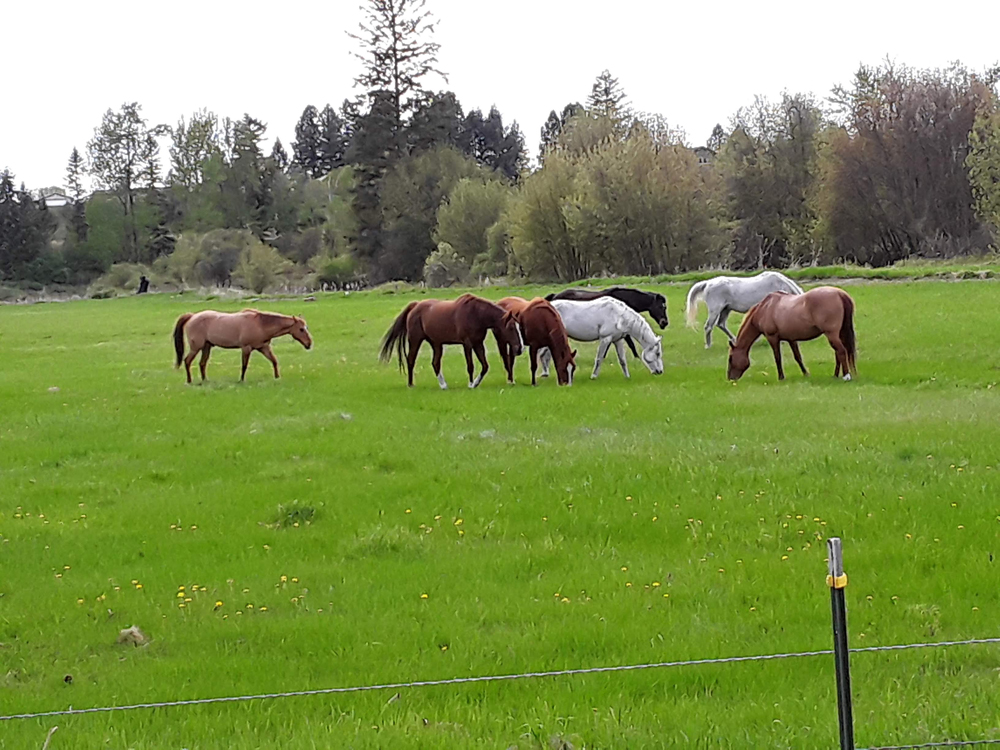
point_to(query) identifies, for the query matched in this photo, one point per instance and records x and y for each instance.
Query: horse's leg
(481, 355)
(205, 351)
(436, 363)
(545, 355)
(247, 351)
(266, 351)
(190, 357)
(468, 364)
(798, 356)
(533, 355)
(602, 352)
(775, 343)
(631, 345)
(620, 348)
(723, 317)
(841, 352)
(411, 358)
(709, 325)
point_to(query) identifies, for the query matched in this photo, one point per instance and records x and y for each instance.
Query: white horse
(726, 294)
(608, 321)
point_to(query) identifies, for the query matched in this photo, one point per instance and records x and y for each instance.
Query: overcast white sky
(694, 63)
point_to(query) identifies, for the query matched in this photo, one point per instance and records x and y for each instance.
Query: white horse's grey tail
(697, 292)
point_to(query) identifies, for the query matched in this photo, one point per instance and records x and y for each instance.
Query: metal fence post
(837, 581)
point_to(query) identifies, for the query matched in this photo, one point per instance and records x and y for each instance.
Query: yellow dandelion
(194, 528)
(656, 584)
(666, 596)
(459, 521)
(961, 526)
(722, 570)
(249, 606)
(545, 518)
(295, 580)
(284, 578)
(407, 510)
(79, 601)
(444, 647)
(624, 568)
(138, 585)
(784, 557)
(461, 533)
(239, 611)
(65, 567)
(556, 595)
(180, 594)
(753, 609)
(263, 609)
(423, 596)
(654, 519)
(218, 604)
(437, 518)
(565, 600)
(187, 598)
(628, 584)
(225, 617)
(181, 605)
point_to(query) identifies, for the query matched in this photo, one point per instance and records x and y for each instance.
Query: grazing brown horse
(542, 327)
(249, 330)
(779, 317)
(464, 321)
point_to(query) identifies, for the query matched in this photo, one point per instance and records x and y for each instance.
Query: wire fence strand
(490, 678)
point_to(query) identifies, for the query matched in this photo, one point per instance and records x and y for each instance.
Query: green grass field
(494, 531)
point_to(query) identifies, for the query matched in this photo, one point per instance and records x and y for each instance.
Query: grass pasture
(495, 531)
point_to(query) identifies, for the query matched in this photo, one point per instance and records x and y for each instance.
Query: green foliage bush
(260, 267)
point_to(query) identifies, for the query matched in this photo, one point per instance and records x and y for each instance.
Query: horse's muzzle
(663, 323)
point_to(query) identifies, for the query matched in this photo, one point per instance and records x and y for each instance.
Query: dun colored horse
(464, 321)
(248, 330)
(542, 327)
(781, 317)
(653, 303)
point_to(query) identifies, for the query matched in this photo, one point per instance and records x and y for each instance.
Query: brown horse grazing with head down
(781, 317)
(249, 330)
(543, 328)
(464, 321)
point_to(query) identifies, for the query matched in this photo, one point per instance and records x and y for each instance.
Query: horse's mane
(636, 319)
(752, 312)
(269, 317)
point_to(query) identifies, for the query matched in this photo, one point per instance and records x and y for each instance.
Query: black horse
(638, 300)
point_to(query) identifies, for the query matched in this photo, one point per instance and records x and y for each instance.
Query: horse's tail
(847, 337)
(179, 336)
(697, 292)
(395, 337)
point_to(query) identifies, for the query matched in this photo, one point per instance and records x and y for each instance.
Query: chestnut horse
(249, 330)
(780, 316)
(542, 327)
(464, 321)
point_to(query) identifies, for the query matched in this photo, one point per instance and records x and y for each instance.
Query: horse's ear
(573, 354)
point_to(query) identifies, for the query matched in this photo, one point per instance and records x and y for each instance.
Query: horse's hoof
(847, 378)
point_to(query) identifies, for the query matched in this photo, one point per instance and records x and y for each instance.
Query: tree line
(403, 183)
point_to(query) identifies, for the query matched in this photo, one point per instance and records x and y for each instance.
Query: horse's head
(652, 356)
(509, 333)
(658, 310)
(566, 367)
(300, 332)
(739, 362)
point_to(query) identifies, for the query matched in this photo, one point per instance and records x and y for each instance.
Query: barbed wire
(490, 678)
(944, 743)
